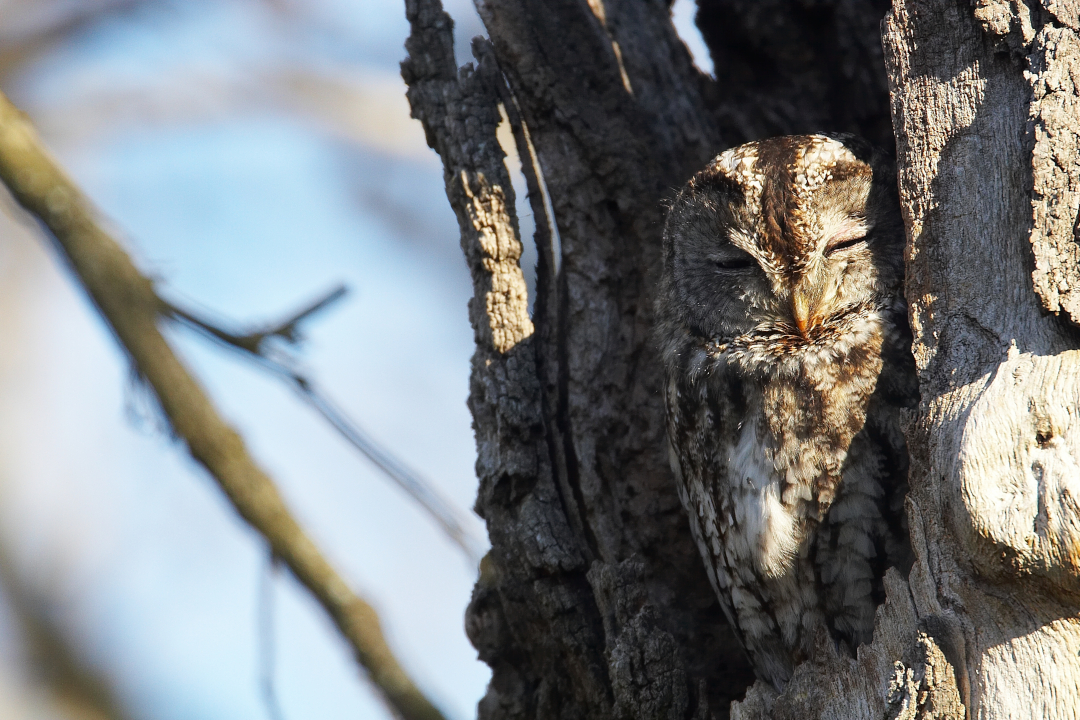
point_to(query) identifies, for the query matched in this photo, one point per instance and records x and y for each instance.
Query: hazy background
(251, 154)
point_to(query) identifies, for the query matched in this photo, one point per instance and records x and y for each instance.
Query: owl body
(784, 337)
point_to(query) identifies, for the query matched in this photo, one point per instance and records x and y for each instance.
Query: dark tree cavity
(594, 602)
(785, 67)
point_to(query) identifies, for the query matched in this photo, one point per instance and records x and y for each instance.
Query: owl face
(793, 237)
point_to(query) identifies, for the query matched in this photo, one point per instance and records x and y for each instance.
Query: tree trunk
(593, 602)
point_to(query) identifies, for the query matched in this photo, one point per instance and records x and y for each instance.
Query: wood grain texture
(992, 437)
(1045, 39)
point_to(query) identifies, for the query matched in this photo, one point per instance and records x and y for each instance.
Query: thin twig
(252, 342)
(253, 346)
(127, 301)
(267, 644)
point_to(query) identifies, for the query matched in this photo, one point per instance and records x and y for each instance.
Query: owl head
(790, 236)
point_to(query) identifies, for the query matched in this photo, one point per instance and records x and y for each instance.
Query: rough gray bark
(593, 602)
(988, 178)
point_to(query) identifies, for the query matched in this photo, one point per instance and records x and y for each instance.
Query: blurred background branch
(35, 27)
(362, 107)
(127, 302)
(257, 345)
(249, 149)
(76, 688)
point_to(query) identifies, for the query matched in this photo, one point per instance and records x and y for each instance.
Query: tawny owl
(784, 335)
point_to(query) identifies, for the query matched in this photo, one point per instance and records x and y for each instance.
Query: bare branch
(75, 685)
(128, 303)
(53, 26)
(253, 346)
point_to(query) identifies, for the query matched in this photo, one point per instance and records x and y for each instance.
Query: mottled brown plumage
(784, 336)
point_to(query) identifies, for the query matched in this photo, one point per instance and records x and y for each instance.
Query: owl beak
(800, 309)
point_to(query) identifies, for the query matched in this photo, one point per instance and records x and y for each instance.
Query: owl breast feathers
(784, 336)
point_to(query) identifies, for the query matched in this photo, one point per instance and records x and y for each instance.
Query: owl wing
(688, 445)
(699, 419)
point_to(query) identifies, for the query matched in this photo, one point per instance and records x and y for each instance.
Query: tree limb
(129, 305)
(253, 345)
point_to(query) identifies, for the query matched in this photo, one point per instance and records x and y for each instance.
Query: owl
(783, 332)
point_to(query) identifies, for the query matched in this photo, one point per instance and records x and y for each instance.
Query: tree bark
(593, 602)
